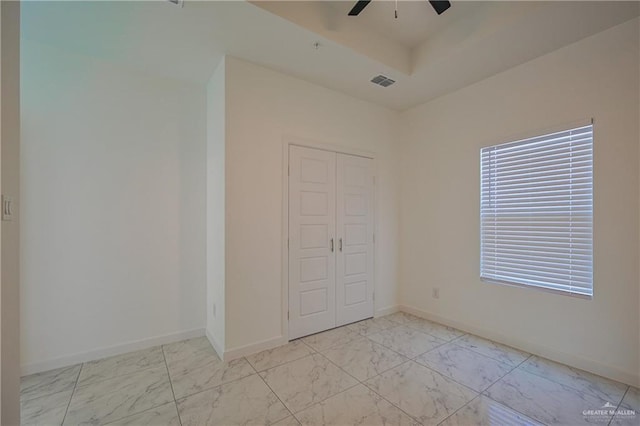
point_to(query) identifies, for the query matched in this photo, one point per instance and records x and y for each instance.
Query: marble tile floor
(393, 370)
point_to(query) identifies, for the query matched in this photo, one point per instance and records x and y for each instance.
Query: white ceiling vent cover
(382, 80)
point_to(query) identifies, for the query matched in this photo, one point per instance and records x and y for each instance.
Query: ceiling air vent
(382, 80)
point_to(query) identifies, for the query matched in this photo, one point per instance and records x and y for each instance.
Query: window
(536, 212)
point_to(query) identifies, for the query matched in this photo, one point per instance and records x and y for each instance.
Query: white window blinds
(536, 212)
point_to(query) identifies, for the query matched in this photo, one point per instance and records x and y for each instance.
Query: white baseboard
(387, 311)
(216, 345)
(64, 361)
(253, 348)
(575, 361)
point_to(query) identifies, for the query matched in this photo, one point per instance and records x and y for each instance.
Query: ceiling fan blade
(358, 7)
(439, 6)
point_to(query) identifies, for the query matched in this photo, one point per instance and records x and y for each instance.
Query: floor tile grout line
(467, 386)
(365, 385)
(38, 386)
(552, 377)
(501, 378)
(383, 397)
(278, 365)
(316, 352)
(286, 362)
(331, 396)
(483, 393)
(141, 412)
(388, 348)
(618, 406)
(447, 377)
(166, 366)
(417, 328)
(413, 359)
(445, 342)
(400, 353)
(119, 375)
(476, 353)
(454, 413)
(283, 364)
(323, 400)
(340, 368)
(564, 385)
(72, 394)
(272, 391)
(307, 345)
(388, 369)
(216, 386)
(478, 394)
(145, 410)
(488, 356)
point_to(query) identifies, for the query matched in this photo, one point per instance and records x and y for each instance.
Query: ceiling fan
(439, 6)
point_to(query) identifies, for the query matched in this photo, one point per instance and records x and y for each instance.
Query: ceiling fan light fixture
(438, 5)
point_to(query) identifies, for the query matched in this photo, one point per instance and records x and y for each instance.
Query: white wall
(263, 107)
(215, 207)
(596, 77)
(10, 283)
(113, 230)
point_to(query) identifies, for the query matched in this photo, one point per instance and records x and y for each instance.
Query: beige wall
(10, 289)
(215, 207)
(113, 218)
(263, 107)
(596, 77)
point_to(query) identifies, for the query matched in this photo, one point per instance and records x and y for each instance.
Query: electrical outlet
(436, 293)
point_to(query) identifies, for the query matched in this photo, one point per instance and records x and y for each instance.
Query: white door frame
(287, 141)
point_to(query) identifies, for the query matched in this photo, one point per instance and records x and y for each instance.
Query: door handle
(331, 244)
(340, 244)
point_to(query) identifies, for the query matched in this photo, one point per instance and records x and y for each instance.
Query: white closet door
(354, 260)
(312, 224)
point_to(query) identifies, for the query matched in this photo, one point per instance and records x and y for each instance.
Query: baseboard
(93, 355)
(253, 348)
(216, 345)
(579, 362)
(387, 311)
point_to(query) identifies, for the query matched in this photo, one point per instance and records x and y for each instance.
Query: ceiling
(416, 20)
(428, 55)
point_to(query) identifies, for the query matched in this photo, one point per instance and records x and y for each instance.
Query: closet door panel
(312, 224)
(354, 255)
